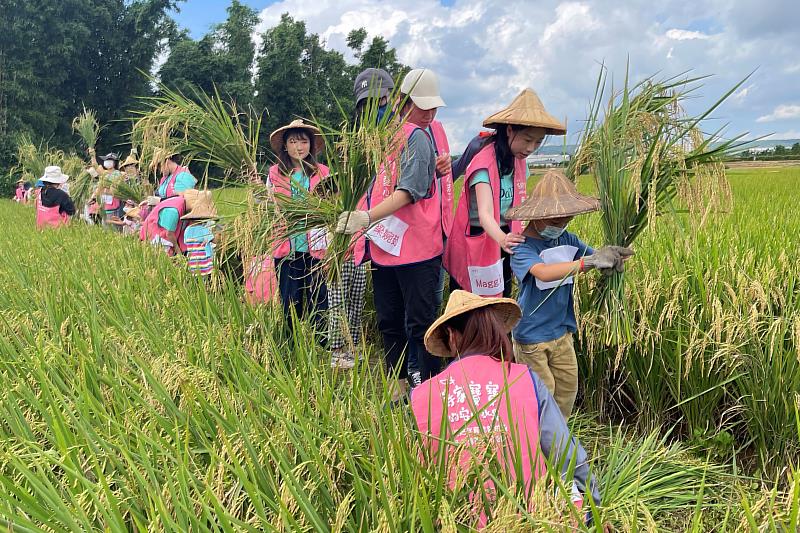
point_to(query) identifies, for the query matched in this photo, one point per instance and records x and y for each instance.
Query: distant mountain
(557, 149)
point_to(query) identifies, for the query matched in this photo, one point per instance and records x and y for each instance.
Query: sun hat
(460, 302)
(203, 208)
(111, 155)
(194, 197)
(136, 212)
(53, 174)
(276, 137)
(130, 160)
(527, 110)
(555, 196)
(374, 82)
(422, 87)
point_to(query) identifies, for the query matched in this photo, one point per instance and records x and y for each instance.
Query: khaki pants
(556, 364)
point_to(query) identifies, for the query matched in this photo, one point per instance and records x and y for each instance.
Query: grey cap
(374, 82)
(111, 156)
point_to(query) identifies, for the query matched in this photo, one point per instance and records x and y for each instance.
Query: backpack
(474, 146)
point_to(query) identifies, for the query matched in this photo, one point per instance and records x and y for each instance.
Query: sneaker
(415, 378)
(342, 360)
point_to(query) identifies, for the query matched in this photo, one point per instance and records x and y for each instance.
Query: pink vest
(171, 181)
(414, 232)
(19, 194)
(151, 229)
(49, 216)
(281, 184)
(474, 261)
(506, 423)
(260, 279)
(443, 147)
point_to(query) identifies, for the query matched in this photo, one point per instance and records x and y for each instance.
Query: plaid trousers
(346, 305)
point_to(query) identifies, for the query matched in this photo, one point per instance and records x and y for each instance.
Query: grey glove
(352, 222)
(619, 263)
(602, 259)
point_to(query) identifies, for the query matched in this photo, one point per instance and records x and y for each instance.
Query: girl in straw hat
(199, 235)
(109, 174)
(19, 192)
(545, 263)
(478, 253)
(297, 172)
(485, 403)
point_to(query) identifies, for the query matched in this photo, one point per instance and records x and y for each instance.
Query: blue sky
(486, 51)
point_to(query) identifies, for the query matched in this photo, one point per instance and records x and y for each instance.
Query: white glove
(352, 222)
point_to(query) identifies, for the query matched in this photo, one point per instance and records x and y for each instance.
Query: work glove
(602, 259)
(622, 253)
(352, 222)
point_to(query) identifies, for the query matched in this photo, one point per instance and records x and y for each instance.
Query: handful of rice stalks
(643, 149)
(87, 127)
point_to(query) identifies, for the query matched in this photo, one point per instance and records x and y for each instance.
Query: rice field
(135, 398)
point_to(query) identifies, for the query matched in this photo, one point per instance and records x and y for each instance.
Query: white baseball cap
(422, 86)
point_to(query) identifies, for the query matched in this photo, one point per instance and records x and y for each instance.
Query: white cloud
(782, 112)
(685, 35)
(486, 51)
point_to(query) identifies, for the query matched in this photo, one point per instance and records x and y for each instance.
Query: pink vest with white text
(171, 181)
(317, 238)
(19, 194)
(474, 260)
(49, 216)
(490, 407)
(443, 147)
(151, 229)
(413, 234)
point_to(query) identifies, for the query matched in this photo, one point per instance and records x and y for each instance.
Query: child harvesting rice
(297, 257)
(545, 263)
(484, 405)
(478, 253)
(199, 236)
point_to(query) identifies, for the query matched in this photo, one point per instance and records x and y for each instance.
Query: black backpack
(474, 146)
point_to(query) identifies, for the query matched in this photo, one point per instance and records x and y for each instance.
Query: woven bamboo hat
(555, 196)
(130, 160)
(135, 213)
(461, 302)
(193, 198)
(527, 110)
(276, 137)
(202, 208)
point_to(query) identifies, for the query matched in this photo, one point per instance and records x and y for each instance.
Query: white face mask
(108, 164)
(126, 209)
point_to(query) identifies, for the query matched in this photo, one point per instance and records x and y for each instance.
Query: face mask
(126, 209)
(551, 233)
(108, 164)
(382, 110)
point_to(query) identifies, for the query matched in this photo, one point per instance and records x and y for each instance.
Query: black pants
(405, 302)
(302, 287)
(508, 275)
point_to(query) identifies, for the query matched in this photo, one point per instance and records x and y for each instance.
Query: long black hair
(502, 148)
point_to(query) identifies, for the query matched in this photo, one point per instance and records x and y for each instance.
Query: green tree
(796, 148)
(780, 150)
(236, 37)
(379, 54)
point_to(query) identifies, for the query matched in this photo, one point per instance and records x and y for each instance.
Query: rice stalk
(87, 128)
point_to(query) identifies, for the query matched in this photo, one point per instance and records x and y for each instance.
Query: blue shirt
(546, 314)
(183, 181)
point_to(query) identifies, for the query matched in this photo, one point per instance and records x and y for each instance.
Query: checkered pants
(346, 305)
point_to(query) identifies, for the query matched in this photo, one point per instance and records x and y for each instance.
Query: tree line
(57, 56)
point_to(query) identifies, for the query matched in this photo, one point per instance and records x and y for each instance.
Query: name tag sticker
(488, 280)
(388, 235)
(558, 254)
(318, 239)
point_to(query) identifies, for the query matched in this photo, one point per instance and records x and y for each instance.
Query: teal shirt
(506, 195)
(183, 181)
(300, 185)
(168, 218)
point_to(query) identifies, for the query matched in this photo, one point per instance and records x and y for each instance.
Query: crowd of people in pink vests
(492, 374)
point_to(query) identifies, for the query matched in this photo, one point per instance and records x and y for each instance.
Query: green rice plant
(87, 128)
(640, 147)
(131, 189)
(32, 159)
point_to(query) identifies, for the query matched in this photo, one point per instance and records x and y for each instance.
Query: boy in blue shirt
(545, 265)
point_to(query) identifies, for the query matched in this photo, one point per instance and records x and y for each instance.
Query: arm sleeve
(184, 181)
(523, 259)
(479, 176)
(66, 205)
(168, 218)
(558, 444)
(583, 248)
(416, 166)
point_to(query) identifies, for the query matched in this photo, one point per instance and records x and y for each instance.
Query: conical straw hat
(527, 110)
(555, 196)
(461, 302)
(203, 208)
(193, 197)
(130, 160)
